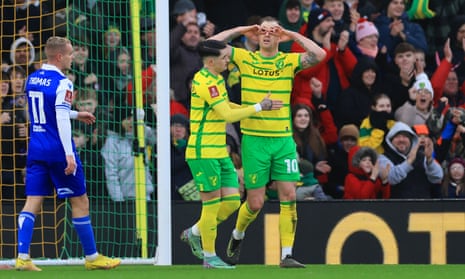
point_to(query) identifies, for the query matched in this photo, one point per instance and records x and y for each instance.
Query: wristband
(258, 107)
(73, 114)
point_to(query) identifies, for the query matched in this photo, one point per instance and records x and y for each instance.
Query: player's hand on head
(284, 34)
(70, 165)
(250, 30)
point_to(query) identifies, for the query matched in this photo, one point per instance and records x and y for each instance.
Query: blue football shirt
(48, 90)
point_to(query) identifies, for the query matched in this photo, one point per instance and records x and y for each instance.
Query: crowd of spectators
(386, 107)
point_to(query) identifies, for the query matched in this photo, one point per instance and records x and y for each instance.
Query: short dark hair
(16, 70)
(403, 48)
(291, 4)
(210, 48)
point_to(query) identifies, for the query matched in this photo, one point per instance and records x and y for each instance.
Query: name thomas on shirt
(40, 81)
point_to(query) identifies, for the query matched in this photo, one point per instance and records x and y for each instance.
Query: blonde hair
(55, 45)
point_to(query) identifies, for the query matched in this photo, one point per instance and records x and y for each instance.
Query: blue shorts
(43, 176)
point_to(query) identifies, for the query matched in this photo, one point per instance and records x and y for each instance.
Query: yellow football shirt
(259, 76)
(208, 129)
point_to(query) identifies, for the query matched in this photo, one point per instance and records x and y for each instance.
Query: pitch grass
(245, 272)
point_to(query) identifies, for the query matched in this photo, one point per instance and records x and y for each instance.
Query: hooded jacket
(282, 17)
(354, 103)
(119, 165)
(15, 45)
(358, 184)
(409, 181)
(458, 55)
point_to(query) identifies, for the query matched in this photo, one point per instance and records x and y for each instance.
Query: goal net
(117, 152)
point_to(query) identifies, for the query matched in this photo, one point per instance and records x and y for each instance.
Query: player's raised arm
(313, 53)
(231, 34)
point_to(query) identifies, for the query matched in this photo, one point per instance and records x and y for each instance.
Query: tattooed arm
(313, 53)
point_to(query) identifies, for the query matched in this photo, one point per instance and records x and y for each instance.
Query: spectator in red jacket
(334, 71)
(445, 80)
(365, 179)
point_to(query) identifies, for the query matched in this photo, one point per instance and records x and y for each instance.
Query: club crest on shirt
(213, 91)
(69, 96)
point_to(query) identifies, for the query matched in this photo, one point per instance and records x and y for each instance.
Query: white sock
(195, 230)
(208, 255)
(91, 257)
(23, 256)
(237, 235)
(286, 251)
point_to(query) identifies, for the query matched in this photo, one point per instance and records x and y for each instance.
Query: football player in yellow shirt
(268, 149)
(206, 154)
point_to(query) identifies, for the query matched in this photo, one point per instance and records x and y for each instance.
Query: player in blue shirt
(52, 159)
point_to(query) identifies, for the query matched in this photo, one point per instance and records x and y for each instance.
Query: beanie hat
(457, 160)
(147, 24)
(180, 119)
(315, 17)
(422, 82)
(120, 114)
(364, 29)
(305, 166)
(363, 152)
(349, 130)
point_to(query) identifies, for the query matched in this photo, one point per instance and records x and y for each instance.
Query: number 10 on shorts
(291, 165)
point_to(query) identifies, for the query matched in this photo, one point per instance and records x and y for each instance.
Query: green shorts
(268, 158)
(212, 174)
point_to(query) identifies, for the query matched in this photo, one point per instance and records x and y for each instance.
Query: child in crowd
(453, 185)
(119, 161)
(366, 36)
(365, 179)
(308, 188)
(338, 160)
(85, 99)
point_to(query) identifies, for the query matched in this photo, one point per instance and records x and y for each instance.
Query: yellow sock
(287, 222)
(207, 224)
(229, 204)
(245, 217)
